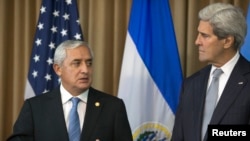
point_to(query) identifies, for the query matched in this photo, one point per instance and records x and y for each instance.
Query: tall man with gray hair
(218, 94)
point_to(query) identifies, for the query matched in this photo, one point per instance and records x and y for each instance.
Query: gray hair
(226, 20)
(60, 52)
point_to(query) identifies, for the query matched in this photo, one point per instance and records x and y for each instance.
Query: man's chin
(203, 59)
(81, 89)
(84, 87)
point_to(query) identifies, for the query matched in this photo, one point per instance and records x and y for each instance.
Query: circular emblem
(151, 132)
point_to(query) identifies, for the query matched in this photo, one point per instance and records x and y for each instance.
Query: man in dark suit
(221, 32)
(46, 117)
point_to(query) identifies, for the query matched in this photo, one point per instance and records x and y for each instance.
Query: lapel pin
(240, 83)
(97, 104)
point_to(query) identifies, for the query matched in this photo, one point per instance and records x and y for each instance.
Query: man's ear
(57, 69)
(229, 42)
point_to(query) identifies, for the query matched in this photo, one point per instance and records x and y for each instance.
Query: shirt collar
(66, 96)
(228, 67)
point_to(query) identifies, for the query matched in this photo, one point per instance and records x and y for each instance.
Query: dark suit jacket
(42, 119)
(232, 108)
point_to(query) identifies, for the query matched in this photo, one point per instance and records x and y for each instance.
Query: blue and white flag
(245, 49)
(58, 21)
(151, 73)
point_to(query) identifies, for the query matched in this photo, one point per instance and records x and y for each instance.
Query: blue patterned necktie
(74, 122)
(211, 100)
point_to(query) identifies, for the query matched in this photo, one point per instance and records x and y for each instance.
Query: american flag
(58, 21)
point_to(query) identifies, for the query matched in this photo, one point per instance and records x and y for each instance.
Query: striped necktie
(74, 122)
(211, 100)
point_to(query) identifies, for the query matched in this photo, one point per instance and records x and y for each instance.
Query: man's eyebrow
(89, 59)
(203, 33)
(76, 60)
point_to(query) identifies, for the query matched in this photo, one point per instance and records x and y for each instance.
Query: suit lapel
(199, 98)
(232, 89)
(94, 106)
(53, 105)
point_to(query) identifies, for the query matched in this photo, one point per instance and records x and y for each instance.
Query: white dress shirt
(227, 70)
(67, 104)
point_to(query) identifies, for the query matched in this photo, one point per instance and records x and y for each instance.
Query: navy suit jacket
(232, 108)
(42, 119)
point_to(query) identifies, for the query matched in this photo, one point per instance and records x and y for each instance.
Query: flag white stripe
(28, 90)
(135, 86)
